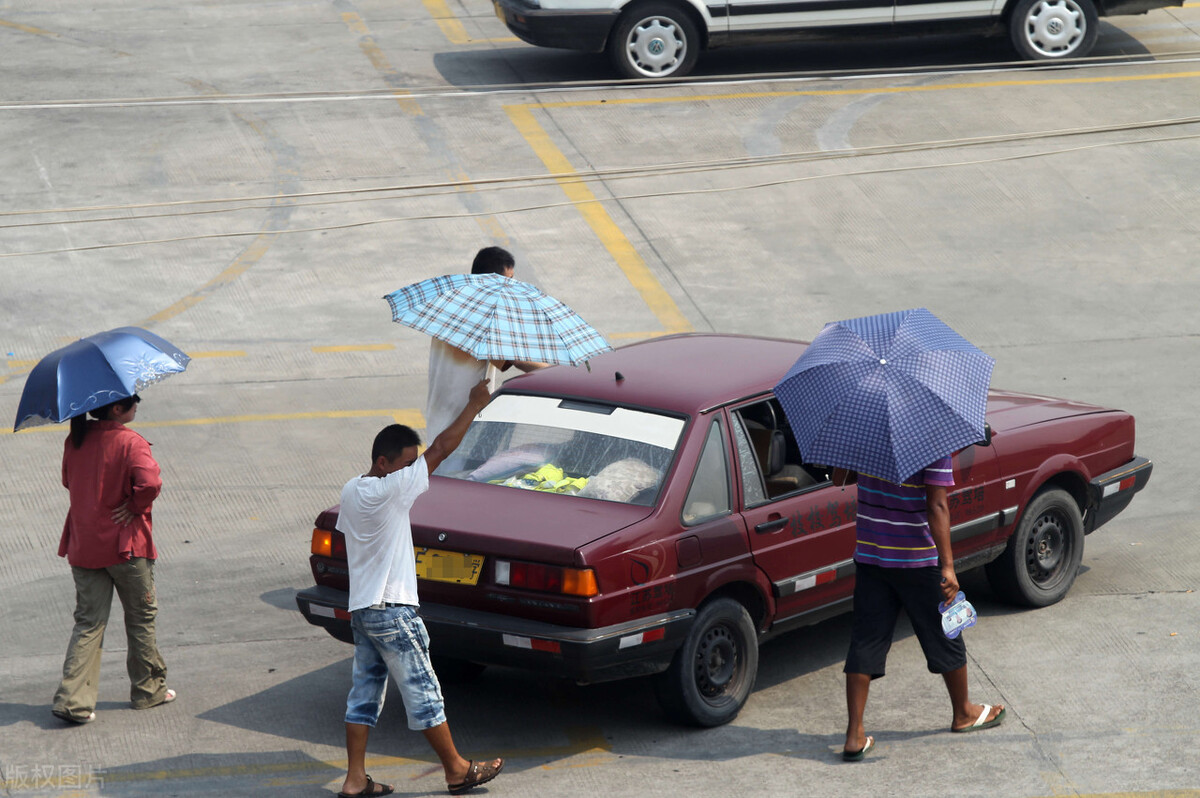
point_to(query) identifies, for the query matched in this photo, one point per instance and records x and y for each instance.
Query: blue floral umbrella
(496, 318)
(886, 395)
(93, 372)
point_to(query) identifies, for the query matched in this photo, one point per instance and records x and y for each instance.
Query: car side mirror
(987, 435)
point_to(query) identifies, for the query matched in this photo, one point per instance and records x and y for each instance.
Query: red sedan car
(653, 516)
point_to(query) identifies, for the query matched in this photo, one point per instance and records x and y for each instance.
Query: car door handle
(771, 526)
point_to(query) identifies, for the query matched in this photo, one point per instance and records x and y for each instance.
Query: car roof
(683, 374)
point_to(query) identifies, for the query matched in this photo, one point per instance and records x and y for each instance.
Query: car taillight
(329, 544)
(547, 578)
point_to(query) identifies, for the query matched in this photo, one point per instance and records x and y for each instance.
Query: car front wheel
(712, 674)
(1052, 29)
(655, 40)
(1042, 558)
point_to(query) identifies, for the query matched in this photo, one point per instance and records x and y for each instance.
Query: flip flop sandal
(478, 773)
(857, 756)
(385, 789)
(982, 722)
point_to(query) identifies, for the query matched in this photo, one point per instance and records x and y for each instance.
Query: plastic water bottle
(957, 615)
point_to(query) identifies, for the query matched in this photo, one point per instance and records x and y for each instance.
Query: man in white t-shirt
(389, 636)
(452, 371)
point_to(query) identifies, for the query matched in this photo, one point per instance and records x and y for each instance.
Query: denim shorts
(393, 640)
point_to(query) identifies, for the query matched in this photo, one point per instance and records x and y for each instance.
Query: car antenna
(619, 376)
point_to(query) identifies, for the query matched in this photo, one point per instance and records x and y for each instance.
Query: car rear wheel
(1052, 29)
(1042, 558)
(712, 674)
(654, 40)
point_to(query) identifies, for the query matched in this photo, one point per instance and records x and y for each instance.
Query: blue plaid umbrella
(886, 395)
(93, 372)
(496, 318)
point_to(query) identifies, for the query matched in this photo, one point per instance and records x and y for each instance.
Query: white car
(663, 38)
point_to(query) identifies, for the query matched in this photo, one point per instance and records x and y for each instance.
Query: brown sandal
(384, 789)
(478, 773)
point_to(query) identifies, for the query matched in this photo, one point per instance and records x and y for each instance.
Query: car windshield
(569, 447)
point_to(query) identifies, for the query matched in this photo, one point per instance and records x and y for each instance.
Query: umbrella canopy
(886, 395)
(496, 318)
(93, 372)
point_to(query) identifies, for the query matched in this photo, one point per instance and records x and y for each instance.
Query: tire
(1042, 558)
(712, 674)
(654, 40)
(1049, 30)
(455, 671)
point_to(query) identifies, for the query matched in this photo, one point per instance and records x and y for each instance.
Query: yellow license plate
(499, 11)
(436, 565)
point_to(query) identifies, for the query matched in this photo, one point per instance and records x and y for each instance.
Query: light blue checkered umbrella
(886, 395)
(496, 318)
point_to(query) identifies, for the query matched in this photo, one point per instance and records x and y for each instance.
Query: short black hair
(492, 260)
(392, 440)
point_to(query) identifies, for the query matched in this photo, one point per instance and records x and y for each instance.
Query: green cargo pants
(134, 583)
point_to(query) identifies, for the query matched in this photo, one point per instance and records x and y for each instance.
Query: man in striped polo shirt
(903, 561)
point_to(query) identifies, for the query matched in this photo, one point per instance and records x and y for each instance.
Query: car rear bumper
(633, 648)
(1111, 492)
(585, 30)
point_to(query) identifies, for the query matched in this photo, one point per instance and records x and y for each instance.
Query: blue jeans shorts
(393, 640)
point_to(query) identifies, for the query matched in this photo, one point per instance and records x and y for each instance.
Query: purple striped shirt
(893, 520)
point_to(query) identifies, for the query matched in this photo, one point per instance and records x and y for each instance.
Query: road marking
(615, 241)
(598, 218)
(286, 177)
(216, 353)
(408, 416)
(29, 29)
(433, 139)
(355, 348)
(371, 49)
(452, 28)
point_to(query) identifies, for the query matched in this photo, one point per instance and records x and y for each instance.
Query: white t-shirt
(379, 545)
(452, 375)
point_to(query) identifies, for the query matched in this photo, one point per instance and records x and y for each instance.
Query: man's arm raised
(452, 436)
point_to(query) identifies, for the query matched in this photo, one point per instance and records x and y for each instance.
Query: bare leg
(443, 745)
(965, 713)
(356, 758)
(858, 685)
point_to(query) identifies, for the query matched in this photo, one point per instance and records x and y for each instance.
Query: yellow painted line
(28, 29)
(355, 348)
(21, 364)
(602, 224)
(452, 28)
(370, 48)
(407, 416)
(610, 235)
(216, 353)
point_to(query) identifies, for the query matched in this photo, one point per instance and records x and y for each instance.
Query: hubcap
(656, 46)
(1055, 28)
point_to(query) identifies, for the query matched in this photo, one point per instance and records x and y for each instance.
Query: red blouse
(113, 466)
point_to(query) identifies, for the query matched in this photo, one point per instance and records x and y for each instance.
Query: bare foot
(971, 719)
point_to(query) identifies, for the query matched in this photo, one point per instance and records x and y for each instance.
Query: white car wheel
(1053, 29)
(654, 41)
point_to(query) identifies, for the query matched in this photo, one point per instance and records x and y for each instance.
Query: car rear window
(567, 446)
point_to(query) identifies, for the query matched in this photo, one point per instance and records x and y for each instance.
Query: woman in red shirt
(113, 479)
